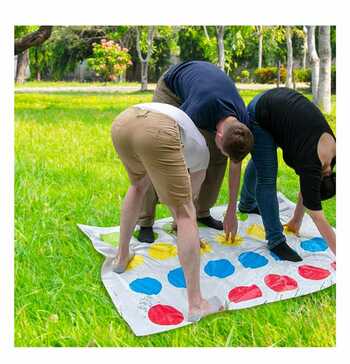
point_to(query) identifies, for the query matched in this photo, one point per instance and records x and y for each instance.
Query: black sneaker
(285, 252)
(146, 234)
(211, 222)
(255, 210)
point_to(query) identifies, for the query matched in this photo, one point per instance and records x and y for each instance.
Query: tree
(313, 60)
(325, 52)
(305, 47)
(33, 39)
(220, 31)
(260, 37)
(289, 79)
(22, 65)
(148, 47)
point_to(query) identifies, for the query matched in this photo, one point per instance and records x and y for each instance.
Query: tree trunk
(314, 61)
(220, 30)
(325, 52)
(305, 47)
(22, 64)
(144, 75)
(33, 39)
(206, 32)
(260, 35)
(144, 60)
(289, 79)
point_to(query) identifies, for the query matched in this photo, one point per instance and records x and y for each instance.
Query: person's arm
(295, 222)
(318, 218)
(230, 220)
(324, 228)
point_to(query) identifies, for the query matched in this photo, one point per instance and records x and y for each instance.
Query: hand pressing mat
(151, 294)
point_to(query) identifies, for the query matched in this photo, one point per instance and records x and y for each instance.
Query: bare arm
(230, 220)
(318, 218)
(324, 228)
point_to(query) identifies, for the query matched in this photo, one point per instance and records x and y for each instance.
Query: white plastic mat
(151, 295)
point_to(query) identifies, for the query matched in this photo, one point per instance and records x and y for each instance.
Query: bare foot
(120, 265)
(204, 308)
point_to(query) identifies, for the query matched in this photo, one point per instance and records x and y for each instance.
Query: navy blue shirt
(207, 94)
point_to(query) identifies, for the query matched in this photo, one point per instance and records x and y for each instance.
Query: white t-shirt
(196, 152)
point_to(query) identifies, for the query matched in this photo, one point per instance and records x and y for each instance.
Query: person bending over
(158, 144)
(286, 119)
(210, 98)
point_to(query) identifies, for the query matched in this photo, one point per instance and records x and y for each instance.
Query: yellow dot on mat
(256, 231)
(135, 262)
(205, 247)
(162, 251)
(221, 238)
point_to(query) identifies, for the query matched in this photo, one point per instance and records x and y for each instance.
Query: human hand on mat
(230, 224)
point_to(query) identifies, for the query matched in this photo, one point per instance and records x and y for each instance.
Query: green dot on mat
(113, 238)
(242, 216)
(168, 228)
(110, 238)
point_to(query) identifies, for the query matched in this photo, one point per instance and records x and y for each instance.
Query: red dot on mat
(314, 273)
(334, 265)
(280, 283)
(244, 293)
(165, 315)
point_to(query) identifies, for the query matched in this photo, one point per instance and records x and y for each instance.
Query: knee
(140, 187)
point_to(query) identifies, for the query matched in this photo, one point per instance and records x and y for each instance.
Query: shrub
(302, 75)
(109, 60)
(244, 76)
(269, 74)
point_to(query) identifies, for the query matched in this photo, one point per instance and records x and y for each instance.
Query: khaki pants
(215, 173)
(149, 143)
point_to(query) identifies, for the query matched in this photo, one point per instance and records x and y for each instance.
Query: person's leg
(189, 257)
(146, 219)
(147, 215)
(211, 185)
(264, 157)
(247, 202)
(197, 179)
(128, 218)
(124, 129)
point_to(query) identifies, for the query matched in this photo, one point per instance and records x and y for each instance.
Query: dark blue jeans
(259, 184)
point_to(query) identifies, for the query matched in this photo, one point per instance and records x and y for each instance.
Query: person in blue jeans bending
(284, 118)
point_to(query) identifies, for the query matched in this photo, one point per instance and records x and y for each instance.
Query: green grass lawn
(72, 84)
(67, 173)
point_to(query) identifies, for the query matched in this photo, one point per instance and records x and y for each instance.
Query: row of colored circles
(169, 315)
(223, 268)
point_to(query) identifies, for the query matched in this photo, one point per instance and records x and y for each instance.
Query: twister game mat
(151, 294)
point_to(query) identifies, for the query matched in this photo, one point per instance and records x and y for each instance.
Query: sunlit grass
(67, 173)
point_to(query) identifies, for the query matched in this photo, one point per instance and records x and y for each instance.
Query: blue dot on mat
(146, 285)
(252, 260)
(176, 277)
(314, 245)
(221, 268)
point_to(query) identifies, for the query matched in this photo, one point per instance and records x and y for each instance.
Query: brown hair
(237, 141)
